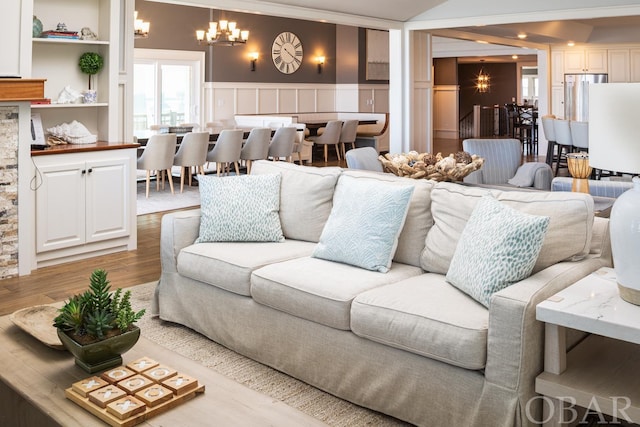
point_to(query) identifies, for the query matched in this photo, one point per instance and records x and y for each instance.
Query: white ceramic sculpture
(74, 133)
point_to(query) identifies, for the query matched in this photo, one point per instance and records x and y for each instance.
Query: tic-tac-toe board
(128, 395)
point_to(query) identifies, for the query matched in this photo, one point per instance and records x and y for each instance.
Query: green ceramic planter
(103, 354)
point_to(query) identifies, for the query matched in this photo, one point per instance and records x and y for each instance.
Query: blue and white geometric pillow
(240, 208)
(497, 248)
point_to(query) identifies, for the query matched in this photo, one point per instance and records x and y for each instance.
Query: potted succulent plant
(97, 326)
(90, 63)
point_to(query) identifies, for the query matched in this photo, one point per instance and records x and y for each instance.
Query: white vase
(624, 225)
(89, 96)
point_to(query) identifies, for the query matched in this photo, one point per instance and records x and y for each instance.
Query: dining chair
(330, 136)
(158, 156)
(282, 143)
(256, 147)
(301, 146)
(550, 135)
(348, 135)
(564, 140)
(227, 150)
(192, 153)
(580, 135)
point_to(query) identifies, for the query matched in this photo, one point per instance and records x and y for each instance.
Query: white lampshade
(614, 145)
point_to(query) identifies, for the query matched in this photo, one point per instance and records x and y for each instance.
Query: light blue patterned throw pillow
(365, 222)
(240, 208)
(497, 248)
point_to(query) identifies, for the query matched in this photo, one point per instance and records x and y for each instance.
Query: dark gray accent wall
(174, 27)
(504, 85)
(347, 51)
(445, 71)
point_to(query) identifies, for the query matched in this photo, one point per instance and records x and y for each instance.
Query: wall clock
(286, 52)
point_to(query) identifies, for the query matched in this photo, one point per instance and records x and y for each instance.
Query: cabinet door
(634, 69)
(574, 61)
(557, 101)
(557, 67)
(618, 65)
(107, 207)
(60, 202)
(596, 60)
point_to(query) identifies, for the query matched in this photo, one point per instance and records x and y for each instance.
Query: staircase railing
(484, 121)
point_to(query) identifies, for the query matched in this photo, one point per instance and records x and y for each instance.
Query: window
(167, 87)
(530, 84)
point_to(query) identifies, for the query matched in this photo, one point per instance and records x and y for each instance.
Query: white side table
(602, 373)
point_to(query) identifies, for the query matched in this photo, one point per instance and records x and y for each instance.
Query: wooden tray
(140, 394)
(38, 322)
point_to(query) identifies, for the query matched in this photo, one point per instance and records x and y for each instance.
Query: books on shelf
(56, 34)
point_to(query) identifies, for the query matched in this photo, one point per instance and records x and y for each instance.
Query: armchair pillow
(240, 209)
(498, 247)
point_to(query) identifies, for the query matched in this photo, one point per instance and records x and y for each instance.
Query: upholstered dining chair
(301, 146)
(562, 131)
(282, 143)
(365, 158)
(158, 156)
(227, 150)
(192, 153)
(579, 135)
(330, 136)
(256, 147)
(348, 135)
(550, 135)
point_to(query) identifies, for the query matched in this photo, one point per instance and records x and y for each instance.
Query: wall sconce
(320, 62)
(140, 27)
(254, 57)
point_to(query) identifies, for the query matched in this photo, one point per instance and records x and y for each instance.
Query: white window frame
(194, 59)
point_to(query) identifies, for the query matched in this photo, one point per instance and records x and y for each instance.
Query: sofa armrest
(178, 230)
(543, 177)
(515, 348)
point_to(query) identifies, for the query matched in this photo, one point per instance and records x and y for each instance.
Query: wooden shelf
(21, 89)
(602, 371)
(97, 104)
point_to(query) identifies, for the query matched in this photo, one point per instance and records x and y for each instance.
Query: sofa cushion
(426, 316)
(228, 265)
(240, 209)
(319, 290)
(419, 219)
(503, 245)
(306, 197)
(568, 235)
(364, 224)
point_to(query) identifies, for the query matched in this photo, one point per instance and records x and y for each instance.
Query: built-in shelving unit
(57, 61)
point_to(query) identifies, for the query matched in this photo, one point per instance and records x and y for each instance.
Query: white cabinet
(557, 101)
(618, 60)
(56, 59)
(557, 67)
(85, 203)
(585, 61)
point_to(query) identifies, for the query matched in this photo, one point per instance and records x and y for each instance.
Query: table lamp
(614, 145)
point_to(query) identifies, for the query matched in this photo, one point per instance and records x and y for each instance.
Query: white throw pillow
(364, 224)
(498, 247)
(240, 208)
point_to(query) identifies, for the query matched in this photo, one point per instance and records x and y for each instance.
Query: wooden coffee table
(33, 378)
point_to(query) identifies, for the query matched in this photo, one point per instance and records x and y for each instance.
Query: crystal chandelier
(223, 33)
(140, 27)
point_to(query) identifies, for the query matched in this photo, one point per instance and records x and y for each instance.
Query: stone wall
(9, 133)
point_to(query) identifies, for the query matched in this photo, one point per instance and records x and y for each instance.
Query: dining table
(314, 125)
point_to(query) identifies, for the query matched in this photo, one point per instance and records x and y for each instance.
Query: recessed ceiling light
(514, 56)
(571, 44)
(522, 36)
(482, 41)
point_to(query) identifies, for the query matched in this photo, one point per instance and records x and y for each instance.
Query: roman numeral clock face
(287, 52)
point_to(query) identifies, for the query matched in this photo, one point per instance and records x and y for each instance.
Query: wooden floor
(56, 283)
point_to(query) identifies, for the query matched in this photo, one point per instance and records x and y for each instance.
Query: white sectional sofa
(406, 342)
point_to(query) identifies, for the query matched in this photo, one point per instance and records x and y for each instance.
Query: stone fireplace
(8, 191)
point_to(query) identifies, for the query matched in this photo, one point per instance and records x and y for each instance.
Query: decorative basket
(428, 166)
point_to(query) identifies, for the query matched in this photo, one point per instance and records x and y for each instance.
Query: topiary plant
(97, 314)
(90, 63)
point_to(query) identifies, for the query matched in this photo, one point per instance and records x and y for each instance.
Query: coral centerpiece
(429, 166)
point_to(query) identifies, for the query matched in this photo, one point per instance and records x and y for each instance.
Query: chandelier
(482, 82)
(140, 27)
(223, 33)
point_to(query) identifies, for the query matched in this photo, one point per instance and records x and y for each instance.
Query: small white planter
(89, 96)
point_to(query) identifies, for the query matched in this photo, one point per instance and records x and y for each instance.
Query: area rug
(163, 200)
(316, 403)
